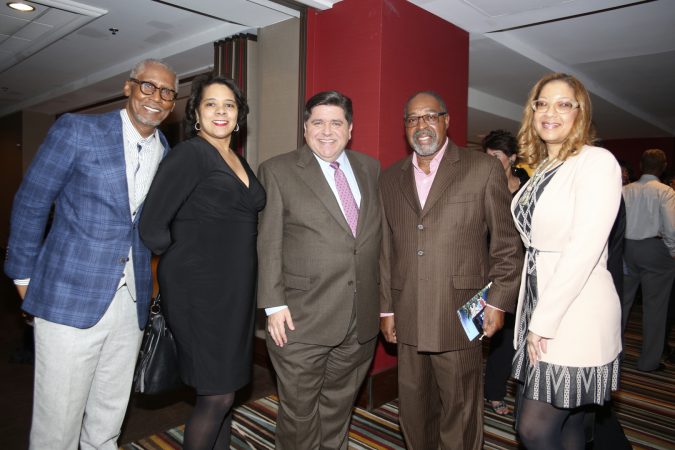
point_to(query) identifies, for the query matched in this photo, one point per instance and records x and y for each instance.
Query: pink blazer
(578, 308)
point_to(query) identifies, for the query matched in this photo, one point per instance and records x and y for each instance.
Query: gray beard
(425, 150)
(148, 122)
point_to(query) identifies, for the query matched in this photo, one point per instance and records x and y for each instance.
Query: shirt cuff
(274, 309)
(22, 282)
(386, 314)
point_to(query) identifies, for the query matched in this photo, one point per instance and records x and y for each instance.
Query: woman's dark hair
(500, 140)
(330, 98)
(198, 86)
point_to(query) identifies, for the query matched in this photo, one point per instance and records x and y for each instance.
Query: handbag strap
(155, 307)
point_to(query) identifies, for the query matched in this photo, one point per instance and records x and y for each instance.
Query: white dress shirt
(650, 211)
(141, 166)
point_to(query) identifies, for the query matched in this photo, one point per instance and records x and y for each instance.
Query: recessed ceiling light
(21, 6)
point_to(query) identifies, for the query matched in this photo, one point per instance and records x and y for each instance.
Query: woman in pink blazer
(568, 319)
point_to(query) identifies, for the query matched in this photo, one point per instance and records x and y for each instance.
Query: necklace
(537, 179)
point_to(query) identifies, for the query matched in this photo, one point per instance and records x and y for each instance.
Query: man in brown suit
(447, 231)
(318, 246)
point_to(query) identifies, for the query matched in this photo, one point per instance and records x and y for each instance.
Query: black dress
(203, 220)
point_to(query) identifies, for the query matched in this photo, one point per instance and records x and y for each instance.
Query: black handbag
(157, 366)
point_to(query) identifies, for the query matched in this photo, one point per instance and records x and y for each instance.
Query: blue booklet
(472, 312)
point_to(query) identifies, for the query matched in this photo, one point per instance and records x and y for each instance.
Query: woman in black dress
(201, 216)
(502, 145)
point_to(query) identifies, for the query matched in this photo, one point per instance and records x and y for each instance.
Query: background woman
(568, 321)
(201, 216)
(502, 145)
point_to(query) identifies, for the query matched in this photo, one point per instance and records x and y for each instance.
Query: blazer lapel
(446, 173)
(110, 149)
(407, 185)
(312, 175)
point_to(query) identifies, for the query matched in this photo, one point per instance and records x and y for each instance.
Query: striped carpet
(645, 406)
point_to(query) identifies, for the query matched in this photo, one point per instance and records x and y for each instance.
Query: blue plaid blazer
(76, 269)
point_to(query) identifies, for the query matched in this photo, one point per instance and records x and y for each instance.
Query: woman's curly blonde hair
(532, 150)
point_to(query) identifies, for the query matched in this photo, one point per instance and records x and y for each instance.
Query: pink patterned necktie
(346, 197)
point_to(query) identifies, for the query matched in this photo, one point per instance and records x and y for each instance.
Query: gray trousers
(83, 379)
(648, 263)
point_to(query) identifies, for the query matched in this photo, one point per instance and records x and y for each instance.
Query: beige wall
(274, 104)
(278, 82)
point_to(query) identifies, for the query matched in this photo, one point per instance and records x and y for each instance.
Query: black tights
(543, 426)
(208, 428)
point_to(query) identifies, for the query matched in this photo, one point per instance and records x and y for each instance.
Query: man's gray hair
(140, 67)
(434, 94)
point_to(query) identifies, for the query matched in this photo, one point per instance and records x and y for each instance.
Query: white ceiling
(63, 56)
(622, 50)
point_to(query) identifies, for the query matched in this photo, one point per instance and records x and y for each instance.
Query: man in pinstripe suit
(440, 206)
(88, 283)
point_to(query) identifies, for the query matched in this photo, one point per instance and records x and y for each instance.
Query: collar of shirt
(435, 162)
(645, 178)
(423, 181)
(345, 166)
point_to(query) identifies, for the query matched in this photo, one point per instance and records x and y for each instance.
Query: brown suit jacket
(435, 259)
(308, 257)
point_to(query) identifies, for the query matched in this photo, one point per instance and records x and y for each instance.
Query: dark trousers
(317, 388)
(499, 361)
(441, 398)
(649, 264)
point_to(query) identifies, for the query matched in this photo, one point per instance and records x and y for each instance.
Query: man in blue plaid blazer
(88, 283)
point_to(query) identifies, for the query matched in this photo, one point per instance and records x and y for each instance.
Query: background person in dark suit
(439, 206)
(88, 283)
(502, 145)
(318, 244)
(605, 430)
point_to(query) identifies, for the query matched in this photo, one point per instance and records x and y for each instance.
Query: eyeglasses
(429, 119)
(561, 106)
(148, 88)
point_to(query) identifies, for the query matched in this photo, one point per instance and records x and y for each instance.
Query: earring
(198, 127)
(236, 128)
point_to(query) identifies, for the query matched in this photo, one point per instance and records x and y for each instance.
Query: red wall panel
(379, 53)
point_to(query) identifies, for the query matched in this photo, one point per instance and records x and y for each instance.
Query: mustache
(155, 105)
(424, 133)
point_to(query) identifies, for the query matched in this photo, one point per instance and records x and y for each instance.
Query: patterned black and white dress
(561, 386)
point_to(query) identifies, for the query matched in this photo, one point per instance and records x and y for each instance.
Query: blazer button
(350, 283)
(420, 252)
(420, 227)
